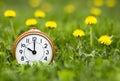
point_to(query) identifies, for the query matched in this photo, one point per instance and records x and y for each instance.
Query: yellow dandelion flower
(31, 22)
(98, 2)
(51, 24)
(47, 7)
(111, 3)
(95, 11)
(90, 20)
(78, 33)
(105, 39)
(34, 3)
(69, 8)
(10, 13)
(40, 14)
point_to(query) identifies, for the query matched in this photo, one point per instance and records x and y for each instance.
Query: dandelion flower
(10, 13)
(40, 14)
(31, 22)
(105, 39)
(111, 3)
(90, 20)
(34, 3)
(69, 8)
(51, 24)
(98, 2)
(78, 33)
(95, 11)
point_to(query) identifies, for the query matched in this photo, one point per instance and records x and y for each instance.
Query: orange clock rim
(34, 33)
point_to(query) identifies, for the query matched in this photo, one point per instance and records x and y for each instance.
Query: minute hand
(34, 45)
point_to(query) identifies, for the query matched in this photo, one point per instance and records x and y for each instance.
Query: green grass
(98, 63)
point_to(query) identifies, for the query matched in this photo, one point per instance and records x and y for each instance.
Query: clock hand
(29, 49)
(34, 45)
(33, 51)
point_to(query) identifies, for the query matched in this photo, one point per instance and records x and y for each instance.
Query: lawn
(76, 59)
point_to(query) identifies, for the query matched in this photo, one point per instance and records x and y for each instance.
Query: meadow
(76, 59)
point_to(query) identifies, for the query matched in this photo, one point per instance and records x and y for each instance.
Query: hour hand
(30, 49)
(33, 52)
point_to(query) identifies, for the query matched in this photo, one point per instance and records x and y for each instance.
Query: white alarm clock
(33, 46)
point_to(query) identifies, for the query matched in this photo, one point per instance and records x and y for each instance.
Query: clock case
(32, 32)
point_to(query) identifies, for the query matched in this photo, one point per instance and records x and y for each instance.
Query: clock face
(33, 48)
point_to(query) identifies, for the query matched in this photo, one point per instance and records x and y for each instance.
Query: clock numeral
(45, 58)
(22, 45)
(45, 45)
(34, 38)
(21, 51)
(47, 52)
(27, 40)
(22, 58)
(27, 62)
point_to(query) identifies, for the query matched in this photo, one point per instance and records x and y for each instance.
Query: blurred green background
(101, 63)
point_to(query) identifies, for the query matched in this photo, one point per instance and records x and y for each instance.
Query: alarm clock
(33, 46)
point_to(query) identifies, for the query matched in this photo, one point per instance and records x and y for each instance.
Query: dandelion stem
(11, 24)
(91, 36)
(49, 31)
(105, 51)
(80, 47)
